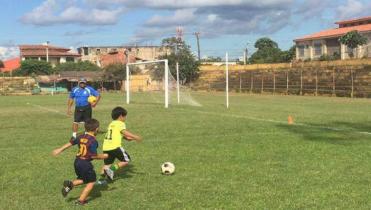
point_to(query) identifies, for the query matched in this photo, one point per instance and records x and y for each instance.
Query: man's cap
(82, 80)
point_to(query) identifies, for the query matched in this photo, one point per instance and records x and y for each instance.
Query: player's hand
(56, 152)
(93, 105)
(139, 139)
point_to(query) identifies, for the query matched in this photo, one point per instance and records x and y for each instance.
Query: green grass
(246, 157)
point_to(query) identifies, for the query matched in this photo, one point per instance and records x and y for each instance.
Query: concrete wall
(142, 52)
(16, 85)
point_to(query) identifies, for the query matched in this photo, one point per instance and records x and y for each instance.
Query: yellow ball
(92, 99)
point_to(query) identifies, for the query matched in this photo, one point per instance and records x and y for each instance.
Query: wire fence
(345, 81)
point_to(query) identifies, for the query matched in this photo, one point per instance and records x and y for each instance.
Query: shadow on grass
(339, 133)
(124, 173)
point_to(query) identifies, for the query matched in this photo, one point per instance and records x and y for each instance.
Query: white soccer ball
(168, 168)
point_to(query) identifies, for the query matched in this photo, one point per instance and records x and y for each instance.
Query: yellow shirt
(113, 137)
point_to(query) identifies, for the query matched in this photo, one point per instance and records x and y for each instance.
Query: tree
(352, 40)
(288, 55)
(265, 42)
(268, 52)
(114, 72)
(181, 52)
(34, 67)
(212, 59)
(1, 64)
(79, 66)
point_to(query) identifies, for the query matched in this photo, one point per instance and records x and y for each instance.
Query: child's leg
(69, 185)
(77, 182)
(85, 192)
(123, 157)
(118, 165)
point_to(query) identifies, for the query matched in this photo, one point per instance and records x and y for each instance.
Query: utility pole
(245, 53)
(197, 34)
(47, 51)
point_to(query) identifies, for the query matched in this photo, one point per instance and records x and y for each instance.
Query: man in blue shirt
(83, 109)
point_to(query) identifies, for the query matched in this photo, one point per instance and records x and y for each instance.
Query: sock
(114, 167)
(74, 134)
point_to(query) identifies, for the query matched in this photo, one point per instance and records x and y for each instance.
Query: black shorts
(82, 113)
(85, 171)
(118, 153)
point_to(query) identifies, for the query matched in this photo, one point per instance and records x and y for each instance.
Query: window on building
(317, 49)
(86, 51)
(98, 51)
(70, 59)
(301, 50)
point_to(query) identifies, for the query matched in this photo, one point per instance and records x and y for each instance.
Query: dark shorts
(118, 153)
(82, 113)
(85, 171)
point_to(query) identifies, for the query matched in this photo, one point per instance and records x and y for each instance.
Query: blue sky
(225, 25)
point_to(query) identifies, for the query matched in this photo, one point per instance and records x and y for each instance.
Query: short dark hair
(117, 112)
(91, 125)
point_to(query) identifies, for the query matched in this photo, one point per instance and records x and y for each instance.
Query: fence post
(262, 87)
(252, 81)
(301, 81)
(274, 82)
(333, 83)
(287, 82)
(352, 78)
(316, 82)
(240, 81)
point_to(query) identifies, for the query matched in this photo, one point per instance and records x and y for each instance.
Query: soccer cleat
(109, 172)
(81, 203)
(67, 187)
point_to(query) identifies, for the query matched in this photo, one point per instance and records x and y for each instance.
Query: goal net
(154, 82)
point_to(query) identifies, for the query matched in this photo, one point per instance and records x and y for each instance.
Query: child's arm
(130, 136)
(100, 156)
(61, 149)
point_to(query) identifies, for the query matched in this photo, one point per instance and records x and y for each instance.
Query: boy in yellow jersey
(112, 144)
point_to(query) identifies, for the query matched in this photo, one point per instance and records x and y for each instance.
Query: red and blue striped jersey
(87, 146)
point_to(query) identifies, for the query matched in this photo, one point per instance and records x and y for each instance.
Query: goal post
(226, 80)
(166, 79)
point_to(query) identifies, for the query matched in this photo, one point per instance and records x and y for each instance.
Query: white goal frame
(166, 79)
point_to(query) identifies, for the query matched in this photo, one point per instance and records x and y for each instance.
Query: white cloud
(353, 9)
(180, 17)
(7, 52)
(50, 13)
(181, 4)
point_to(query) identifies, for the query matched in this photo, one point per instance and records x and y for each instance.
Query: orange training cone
(290, 120)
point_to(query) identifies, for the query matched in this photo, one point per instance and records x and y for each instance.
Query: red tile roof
(354, 20)
(40, 50)
(11, 64)
(336, 32)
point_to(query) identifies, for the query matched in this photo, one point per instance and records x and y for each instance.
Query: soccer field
(246, 157)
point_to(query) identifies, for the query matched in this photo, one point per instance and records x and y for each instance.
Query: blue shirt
(81, 95)
(87, 146)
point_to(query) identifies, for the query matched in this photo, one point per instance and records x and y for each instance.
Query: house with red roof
(52, 54)
(11, 65)
(326, 42)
